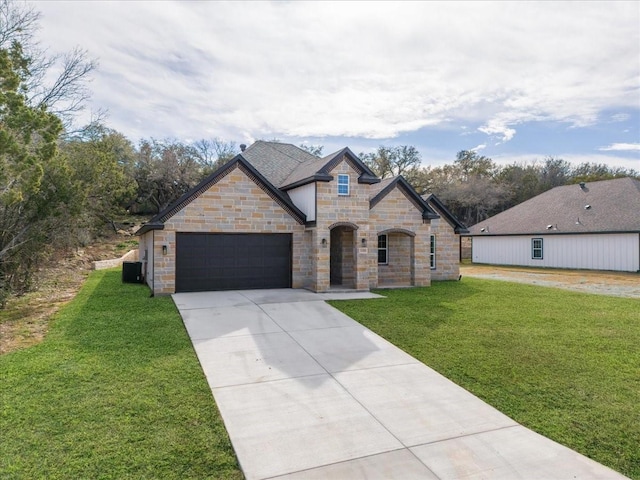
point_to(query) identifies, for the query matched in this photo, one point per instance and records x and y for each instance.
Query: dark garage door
(221, 261)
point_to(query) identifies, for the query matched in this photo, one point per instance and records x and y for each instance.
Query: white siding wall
(593, 252)
(305, 199)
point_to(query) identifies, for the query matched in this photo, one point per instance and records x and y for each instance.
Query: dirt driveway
(618, 284)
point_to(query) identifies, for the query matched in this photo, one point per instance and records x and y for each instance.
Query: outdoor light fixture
(364, 242)
(164, 249)
(324, 242)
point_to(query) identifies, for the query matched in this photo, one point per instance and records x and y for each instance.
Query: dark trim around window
(537, 248)
(432, 251)
(383, 250)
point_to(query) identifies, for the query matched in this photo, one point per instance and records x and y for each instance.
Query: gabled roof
(276, 160)
(435, 202)
(320, 168)
(388, 184)
(157, 222)
(287, 166)
(596, 207)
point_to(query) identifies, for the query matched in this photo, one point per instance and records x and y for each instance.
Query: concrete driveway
(308, 393)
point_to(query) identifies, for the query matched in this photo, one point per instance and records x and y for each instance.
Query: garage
(232, 261)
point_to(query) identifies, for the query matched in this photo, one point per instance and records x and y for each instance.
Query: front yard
(115, 389)
(564, 364)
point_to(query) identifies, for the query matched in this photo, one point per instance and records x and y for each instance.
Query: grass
(114, 391)
(126, 245)
(564, 364)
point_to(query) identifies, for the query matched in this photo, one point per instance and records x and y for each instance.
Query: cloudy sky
(515, 80)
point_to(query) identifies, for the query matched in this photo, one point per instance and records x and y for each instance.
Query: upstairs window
(382, 250)
(343, 184)
(536, 248)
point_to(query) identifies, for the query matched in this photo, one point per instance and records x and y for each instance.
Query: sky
(514, 81)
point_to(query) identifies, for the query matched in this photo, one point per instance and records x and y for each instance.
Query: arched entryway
(342, 262)
(396, 258)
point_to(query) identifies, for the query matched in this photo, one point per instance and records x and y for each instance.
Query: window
(536, 248)
(343, 184)
(383, 250)
(432, 252)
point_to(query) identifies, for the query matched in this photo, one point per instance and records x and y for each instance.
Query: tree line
(61, 185)
(474, 187)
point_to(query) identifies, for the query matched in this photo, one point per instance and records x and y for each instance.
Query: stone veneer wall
(335, 209)
(233, 205)
(399, 269)
(465, 248)
(447, 251)
(397, 212)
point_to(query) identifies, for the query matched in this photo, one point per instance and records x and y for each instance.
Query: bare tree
(214, 153)
(18, 23)
(68, 93)
(313, 149)
(404, 160)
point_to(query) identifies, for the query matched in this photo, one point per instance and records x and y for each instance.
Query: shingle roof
(378, 187)
(605, 206)
(305, 170)
(319, 169)
(275, 161)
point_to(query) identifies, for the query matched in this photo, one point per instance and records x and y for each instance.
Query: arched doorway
(342, 262)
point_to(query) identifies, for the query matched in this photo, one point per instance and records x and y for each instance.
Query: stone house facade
(276, 216)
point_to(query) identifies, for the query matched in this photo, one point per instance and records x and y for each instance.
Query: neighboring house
(594, 226)
(276, 217)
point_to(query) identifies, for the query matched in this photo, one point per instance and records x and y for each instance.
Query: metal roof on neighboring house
(593, 207)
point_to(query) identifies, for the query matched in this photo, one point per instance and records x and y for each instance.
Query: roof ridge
(273, 145)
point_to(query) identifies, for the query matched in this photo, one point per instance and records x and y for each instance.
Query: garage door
(217, 261)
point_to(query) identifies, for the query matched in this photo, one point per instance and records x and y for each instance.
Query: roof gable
(596, 207)
(320, 169)
(440, 208)
(281, 198)
(388, 184)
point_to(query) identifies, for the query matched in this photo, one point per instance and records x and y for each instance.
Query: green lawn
(114, 391)
(565, 364)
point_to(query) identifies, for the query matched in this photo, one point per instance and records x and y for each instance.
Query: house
(276, 217)
(593, 226)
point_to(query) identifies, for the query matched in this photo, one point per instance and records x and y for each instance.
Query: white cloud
(242, 70)
(620, 117)
(621, 147)
(500, 129)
